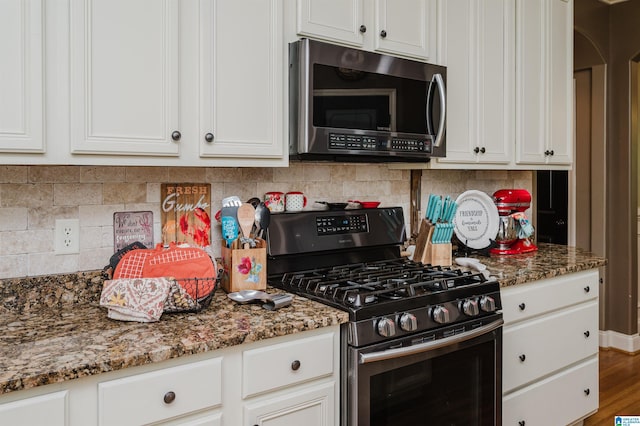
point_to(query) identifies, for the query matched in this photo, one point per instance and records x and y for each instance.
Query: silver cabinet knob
(169, 397)
(176, 135)
(208, 137)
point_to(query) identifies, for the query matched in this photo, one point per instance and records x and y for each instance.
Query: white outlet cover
(67, 236)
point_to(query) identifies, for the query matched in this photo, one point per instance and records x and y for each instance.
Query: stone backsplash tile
(92, 194)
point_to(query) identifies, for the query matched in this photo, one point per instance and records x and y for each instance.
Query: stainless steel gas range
(423, 344)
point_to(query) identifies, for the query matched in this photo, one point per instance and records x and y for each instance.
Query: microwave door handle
(429, 118)
(443, 103)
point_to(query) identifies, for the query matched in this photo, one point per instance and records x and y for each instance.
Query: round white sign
(476, 221)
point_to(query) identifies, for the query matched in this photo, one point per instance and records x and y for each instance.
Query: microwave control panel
(343, 141)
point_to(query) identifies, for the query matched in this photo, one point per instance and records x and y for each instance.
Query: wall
(32, 197)
(613, 30)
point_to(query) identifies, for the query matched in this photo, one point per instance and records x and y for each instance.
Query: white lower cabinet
(312, 406)
(550, 350)
(43, 410)
(288, 380)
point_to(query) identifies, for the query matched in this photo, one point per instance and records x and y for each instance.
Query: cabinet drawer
(541, 346)
(288, 363)
(50, 410)
(528, 300)
(558, 400)
(146, 398)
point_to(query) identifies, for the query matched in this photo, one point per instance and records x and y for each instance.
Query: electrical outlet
(67, 236)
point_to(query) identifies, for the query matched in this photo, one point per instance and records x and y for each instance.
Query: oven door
(454, 380)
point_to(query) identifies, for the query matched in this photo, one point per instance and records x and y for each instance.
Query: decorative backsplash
(33, 197)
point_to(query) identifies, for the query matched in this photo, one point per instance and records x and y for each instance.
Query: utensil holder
(244, 269)
(429, 253)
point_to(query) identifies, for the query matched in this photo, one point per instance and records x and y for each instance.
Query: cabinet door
(332, 20)
(309, 407)
(124, 77)
(49, 410)
(479, 53)
(544, 83)
(21, 76)
(406, 28)
(242, 79)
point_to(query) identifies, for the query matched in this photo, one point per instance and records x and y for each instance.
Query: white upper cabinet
(21, 76)
(242, 79)
(479, 52)
(125, 77)
(404, 28)
(544, 82)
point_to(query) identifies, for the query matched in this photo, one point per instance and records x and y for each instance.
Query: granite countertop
(52, 328)
(550, 260)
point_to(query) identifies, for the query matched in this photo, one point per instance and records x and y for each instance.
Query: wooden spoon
(246, 217)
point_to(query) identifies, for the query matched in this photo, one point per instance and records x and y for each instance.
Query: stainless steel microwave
(356, 106)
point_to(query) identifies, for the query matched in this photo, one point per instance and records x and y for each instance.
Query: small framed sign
(186, 213)
(132, 226)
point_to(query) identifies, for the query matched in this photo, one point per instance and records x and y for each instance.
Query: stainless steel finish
(441, 315)
(428, 346)
(470, 307)
(307, 139)
(487, 304)
(437, 78)
(388, 223)
(386, 327)
(507, 232)
(408, 322)
(208, 137)
(176, 135)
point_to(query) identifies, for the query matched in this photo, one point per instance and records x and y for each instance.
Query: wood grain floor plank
(619, 387)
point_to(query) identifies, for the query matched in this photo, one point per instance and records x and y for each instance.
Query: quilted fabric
(135, 299)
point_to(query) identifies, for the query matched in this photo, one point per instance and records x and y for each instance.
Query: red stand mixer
(514, 230)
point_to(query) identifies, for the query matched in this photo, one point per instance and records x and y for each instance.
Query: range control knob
(408, 322)
(470, 307)
(386, 327)
(440, 315)
(487, 304)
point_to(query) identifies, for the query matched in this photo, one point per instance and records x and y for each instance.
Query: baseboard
(622, 342)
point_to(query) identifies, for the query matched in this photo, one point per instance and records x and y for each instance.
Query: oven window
(457, 388)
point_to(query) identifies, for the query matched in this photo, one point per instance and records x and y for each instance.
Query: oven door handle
(423, 347)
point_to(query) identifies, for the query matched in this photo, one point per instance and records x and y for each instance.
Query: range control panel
(347, 224)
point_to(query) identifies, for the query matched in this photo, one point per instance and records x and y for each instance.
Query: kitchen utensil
(333, 206)
(232, 200)
(229, 221)
(270, 301)
(246, 217)
(274, 201)
(295, 201)
(476, 219)
(254, 201)
(261, 219)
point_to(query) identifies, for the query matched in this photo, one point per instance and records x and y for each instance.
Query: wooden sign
(186, 213)
(129, 227)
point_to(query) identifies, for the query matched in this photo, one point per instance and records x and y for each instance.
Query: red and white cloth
(135, 299)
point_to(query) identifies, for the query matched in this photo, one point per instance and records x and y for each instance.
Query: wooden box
(429, 253)
(244, 269)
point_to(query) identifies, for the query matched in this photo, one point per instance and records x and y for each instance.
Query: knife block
(244, 269)
(429, 253)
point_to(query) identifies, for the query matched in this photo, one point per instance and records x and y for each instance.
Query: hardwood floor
(619, 387)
